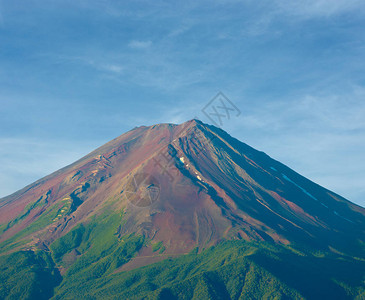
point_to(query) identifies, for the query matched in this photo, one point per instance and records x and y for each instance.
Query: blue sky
(75, 74)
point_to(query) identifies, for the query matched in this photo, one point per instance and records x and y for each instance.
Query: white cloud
(109, 65)
(182, 28)
(319, 8)
(135, 44)
(112, 68)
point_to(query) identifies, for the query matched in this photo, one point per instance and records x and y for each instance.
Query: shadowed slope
(210, 186)
(205, 214)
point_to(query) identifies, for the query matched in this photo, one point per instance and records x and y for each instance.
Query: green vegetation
(43, 221)
(92, 253)
(219, 272)
(97, 244)
(2, 228)
(27, 275)
(65, 209)
(158, 246)
(162, 249)
(38, 203)
(236, 270)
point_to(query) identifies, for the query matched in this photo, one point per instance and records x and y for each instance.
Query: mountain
(180, 211)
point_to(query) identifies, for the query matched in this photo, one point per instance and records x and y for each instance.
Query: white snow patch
(182, 159)
(198, 177)
(297, 185)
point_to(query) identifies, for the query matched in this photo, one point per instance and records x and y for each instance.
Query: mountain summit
(165, 191)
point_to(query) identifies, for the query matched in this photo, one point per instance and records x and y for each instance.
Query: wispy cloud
(294, 68)
(108, 65)
(320, 8)
(135, 44)
(181, 28)
(111, 68)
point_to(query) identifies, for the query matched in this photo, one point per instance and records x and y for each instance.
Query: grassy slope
(231, 270)
(218, 273)
(27, 275)
(93, 252)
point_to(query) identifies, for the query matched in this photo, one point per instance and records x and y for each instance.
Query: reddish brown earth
(200, 185)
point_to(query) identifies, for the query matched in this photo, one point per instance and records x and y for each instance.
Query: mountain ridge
(190, 140)
(170, 190)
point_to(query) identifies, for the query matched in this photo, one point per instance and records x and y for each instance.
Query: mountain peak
(164, 190)
(200, 185)
(194, 122)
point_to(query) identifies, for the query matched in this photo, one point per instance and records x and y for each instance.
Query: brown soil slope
(186, 185)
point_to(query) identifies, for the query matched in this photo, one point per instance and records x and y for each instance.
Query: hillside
(180, 211)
